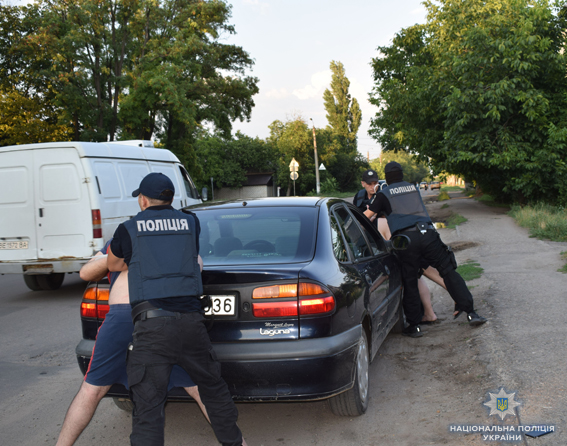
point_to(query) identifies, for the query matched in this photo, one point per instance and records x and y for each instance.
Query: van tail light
(95, 302)
(311, 299)
(97, 223)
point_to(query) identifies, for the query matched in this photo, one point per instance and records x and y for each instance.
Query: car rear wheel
(32, 283)
(50, 281)
(354, 401)
(124, 404)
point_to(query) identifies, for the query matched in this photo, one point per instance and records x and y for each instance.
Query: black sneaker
(413, 331)
(475, 320)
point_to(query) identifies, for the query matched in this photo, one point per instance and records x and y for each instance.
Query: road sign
(293, 166)
(294, 176)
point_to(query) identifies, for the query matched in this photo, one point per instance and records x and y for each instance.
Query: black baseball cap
(392, 166)
(370, 176)
(156, 185)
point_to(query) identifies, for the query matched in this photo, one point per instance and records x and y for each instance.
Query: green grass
(445, 206)
(470, 270)
(452, 189)
(489, 201)
(454, 220)
(443, 196)
(544, 221)
(563, 269)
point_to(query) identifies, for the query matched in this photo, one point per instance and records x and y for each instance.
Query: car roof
(264, 202)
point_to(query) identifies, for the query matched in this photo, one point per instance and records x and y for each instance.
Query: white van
(60, 202)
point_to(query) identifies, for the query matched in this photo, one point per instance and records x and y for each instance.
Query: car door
(64, 218)
(367, 261)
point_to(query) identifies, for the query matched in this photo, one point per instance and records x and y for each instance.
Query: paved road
(418, 386)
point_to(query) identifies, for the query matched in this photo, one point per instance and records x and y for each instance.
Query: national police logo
(502, 403)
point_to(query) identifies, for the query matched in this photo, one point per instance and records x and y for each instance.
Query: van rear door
(17, 207)
(63, 211)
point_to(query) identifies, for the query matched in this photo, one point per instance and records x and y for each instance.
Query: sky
(293, 42)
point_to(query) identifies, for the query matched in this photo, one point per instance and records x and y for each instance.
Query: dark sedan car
(304, 291)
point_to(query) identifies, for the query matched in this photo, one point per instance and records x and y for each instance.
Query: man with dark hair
(401, 202)
(369, 187)
(160, 247)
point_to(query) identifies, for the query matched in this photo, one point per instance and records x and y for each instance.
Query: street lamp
(317, 182)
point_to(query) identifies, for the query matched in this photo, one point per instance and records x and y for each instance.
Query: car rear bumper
(295, 370)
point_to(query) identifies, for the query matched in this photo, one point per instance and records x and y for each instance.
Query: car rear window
(257, 235)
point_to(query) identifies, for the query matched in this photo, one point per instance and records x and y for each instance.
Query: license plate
(222, 306)
(13, 245)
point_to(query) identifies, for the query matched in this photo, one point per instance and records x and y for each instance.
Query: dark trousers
(158, 344)
(429, 249)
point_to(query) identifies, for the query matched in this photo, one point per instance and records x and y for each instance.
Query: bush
(544, 221)
(329, 185)
(443, 195)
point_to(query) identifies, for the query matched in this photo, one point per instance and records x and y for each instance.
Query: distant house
(257, 185)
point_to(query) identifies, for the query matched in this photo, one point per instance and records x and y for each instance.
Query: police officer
(160, 248)
(401, 202)
(364, 196)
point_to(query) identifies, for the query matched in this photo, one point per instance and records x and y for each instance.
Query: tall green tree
(343, 111)
(344, 116)
(480, 90)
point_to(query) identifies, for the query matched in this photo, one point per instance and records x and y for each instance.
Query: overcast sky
(293, 42)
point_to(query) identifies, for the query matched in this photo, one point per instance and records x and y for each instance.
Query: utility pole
(317, 182)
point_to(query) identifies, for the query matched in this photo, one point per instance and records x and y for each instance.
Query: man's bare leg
(80, 412)
(425, 296)
(194, 393)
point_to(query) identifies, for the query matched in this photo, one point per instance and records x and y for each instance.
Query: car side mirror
(400, 242)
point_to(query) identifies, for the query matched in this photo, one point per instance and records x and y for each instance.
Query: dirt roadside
(448, 372)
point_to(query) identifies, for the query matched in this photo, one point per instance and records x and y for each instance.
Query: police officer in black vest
(160, 249)
(370, 185)
(401, 202)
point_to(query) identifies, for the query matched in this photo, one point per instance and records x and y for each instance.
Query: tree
(480, 90)
(229, 160)
(294, 139)
(343, 113)
(133, 68)
(28, 113)
(344, 117)
(414, 171)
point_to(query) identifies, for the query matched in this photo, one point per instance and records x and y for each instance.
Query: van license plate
(222, 306)
(13, 245)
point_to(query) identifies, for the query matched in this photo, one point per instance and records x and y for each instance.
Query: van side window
(189, 186)
(107, 179)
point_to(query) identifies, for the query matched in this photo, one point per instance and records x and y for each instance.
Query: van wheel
(124, 404)
(50, 281)
(354, 402)
(32, 283)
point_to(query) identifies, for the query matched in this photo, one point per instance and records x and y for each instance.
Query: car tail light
(97, 223)
(95, 302)
(286, 290)
(311, 299)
